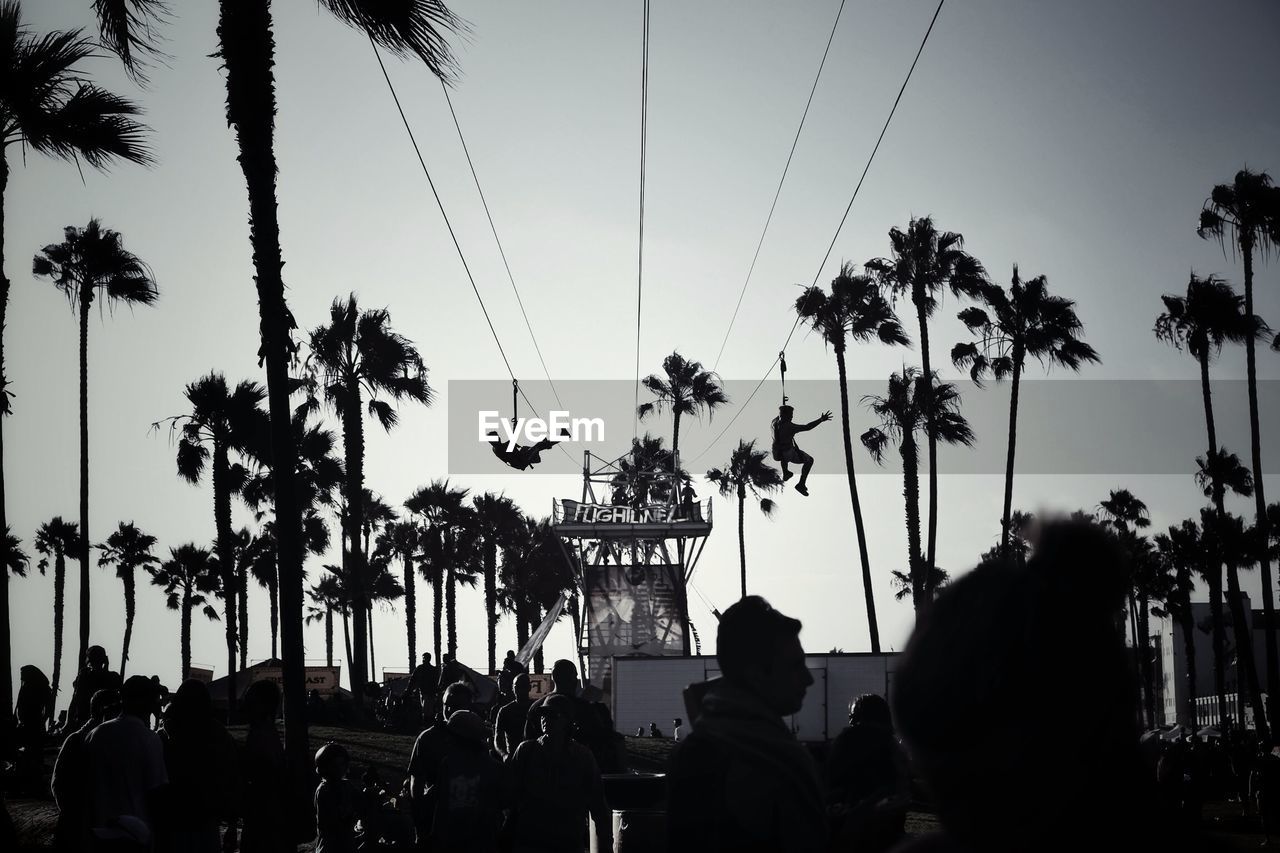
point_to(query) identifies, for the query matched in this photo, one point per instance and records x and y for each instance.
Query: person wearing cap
(335, 801)
(553, 784)
(96, 675)
(785, 449)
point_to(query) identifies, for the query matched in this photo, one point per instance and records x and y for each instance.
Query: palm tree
(912, 406)
(1024, 321)
(644, 474)
(499, 519)
(383, 589)
(748, 470)
(463, 563)
(923, 263)
(402, 540)
(326, 596)
(128, 549)
(688, 389)
(1149, 584)
(1237, 546)
(1248, 212)
(189, 577)
(357, 354)
(377, 514)
(437, 504)
(222, 421)
(47, 106)
(92, 263)
(1181, 556)
(534, 576)
(55, 539)
(1125, 514)
(857, 310)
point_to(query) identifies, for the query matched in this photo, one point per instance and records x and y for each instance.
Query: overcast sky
(1078, 140)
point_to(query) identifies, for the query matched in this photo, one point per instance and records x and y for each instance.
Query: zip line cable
(456, 245)
(778, 192)
(835, 236)
(493, 228)
(644, 137)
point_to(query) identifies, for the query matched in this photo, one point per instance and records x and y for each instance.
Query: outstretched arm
(825, 416)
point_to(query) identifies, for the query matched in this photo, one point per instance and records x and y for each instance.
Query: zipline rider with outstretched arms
(785, 449)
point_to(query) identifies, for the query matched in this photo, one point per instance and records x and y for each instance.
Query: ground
(388, 753)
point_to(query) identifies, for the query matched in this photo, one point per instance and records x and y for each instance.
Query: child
(335, 802)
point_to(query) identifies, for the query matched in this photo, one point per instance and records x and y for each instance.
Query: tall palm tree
(856, 310)
(48, 107)
(401, 540)
(1180, 554)
(359, 354)
(914, 405)
(247, 54)
(1237, 546)
(437, 504)
(534, 576)
(463, 565)
(128, 549)
(189, 578)
(92, 263)
(1150, 584)
(222, 421)
(326, 597)
(748, 471)
(922, 264)
(687, 389)
(499, 520)
(1125, 514)
(1247, 211)
(644, 474)
(1024, 321)
(377, 514)
(383, 590)
(56, 539)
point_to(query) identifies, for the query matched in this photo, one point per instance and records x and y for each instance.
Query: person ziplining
(520, 456)
(785, 449)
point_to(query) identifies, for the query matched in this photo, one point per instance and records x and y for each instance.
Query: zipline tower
(637, 533)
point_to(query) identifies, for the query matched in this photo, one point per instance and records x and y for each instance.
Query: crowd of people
(966, 731)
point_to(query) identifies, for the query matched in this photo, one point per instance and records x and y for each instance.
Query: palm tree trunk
(353, 444)
(1244, 642)
(535, 614)
(373, 664)
(491, 598)
(185, 634)
(226, 560)
(59, 608)
(82, 547)
(242, 603)
(1189, 652)
(410, 610)
(1260, 496)
(1146, 663)
(873, 624)
(6, 648)
(911, 497)
(931, 553)
(247, 51)
(437, 614)
(328, 637)
(522, 624)
(742, 538)
(1218, 634)
(346, 639)
(130, 610)
(675, 443)
(451, 608)
(273, 597)
(1013, 441)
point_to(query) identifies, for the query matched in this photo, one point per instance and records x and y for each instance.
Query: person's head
(139, 697)
(96, 657)
(104, 705)
(555, 716)
(758, 648)
(990, 655)
(786, 413)
(261, 702)
(511, 655)
(520, 686)
(457, 697)
(469, 726)
(677, 722)
(191, 703)
(426, 657)
(564, 678)
(871, 709)
(332, 762)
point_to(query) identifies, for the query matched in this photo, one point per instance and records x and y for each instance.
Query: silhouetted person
(654, 731)
(467, 808)
(513, 717)
(262, 771)
(70, 782)
(986, 669)
(785, 449)
(677, 729)
(429, 750)
(450, 673)
(740, 781)
(426, 681)
(510, 669)
(868, 783)
(553, 784)
(200, 758)
(335, 801)
(520, 456)
(126, 771)
(31, 715)
(94, 676)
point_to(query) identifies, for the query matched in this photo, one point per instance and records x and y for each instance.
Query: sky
(1078, 140)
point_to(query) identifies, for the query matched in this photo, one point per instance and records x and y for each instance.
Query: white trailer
(651, 690)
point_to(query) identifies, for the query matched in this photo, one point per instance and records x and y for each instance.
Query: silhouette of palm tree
(1182, 558)
(48, 107)
(383, 589)
(1247, 211)
(189, 577)
(402, 540)
(687, 389)
(326, 596)
(911, 406)
(748, 471)
(377, 514)
(499, 520)
(856, 310)
(1024, 321)
(359, 354)
(128, 549)
(91, 263)
(924, 262)
(439, 505)
(55, 539)
(534, 576)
